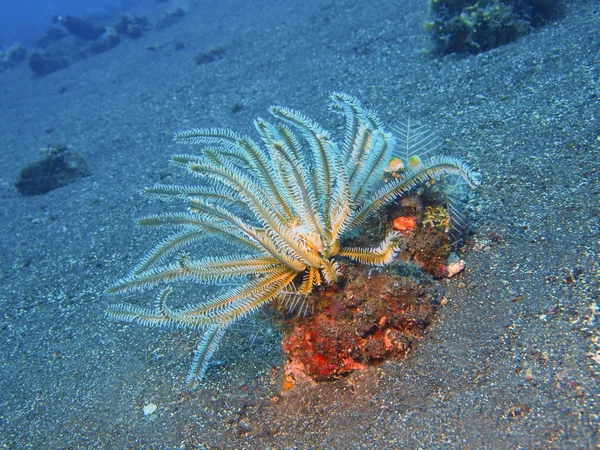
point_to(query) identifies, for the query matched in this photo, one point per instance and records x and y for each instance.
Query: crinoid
(285, 205)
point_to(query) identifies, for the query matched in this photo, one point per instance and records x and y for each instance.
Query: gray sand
(508, 362)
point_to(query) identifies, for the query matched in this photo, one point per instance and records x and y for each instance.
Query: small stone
(455, 267)
(149, 409)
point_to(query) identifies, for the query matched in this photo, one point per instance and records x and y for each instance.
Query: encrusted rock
(57, 167)
(370, 319)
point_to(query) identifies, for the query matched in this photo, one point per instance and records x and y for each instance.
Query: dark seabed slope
(512, 358)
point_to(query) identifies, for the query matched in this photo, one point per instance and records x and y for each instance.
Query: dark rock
(211, 55)
(169, 18)
(237, 107)
(43, 63)
(15, 54)
(132, 26)
(57, 167)
(82, 28)
(52, 34)
(471, 26)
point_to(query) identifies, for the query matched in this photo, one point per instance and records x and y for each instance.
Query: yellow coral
(437, 217)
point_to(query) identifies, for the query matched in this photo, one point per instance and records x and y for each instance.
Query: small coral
(437, 217)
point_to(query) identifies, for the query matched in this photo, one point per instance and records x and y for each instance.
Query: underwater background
(25, 21)
(88, 109)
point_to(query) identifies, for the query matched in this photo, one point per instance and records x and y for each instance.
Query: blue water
(23, 21)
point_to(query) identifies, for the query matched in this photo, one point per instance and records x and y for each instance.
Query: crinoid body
(286, 205)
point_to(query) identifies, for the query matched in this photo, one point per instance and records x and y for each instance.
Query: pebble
(455, 267)
(149, 409)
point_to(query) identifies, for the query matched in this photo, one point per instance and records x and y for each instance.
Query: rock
(108, 40)
(149, 409)
(132, 26)
(43, 62)
(370, 319)
(455, 265)
(58, 166)
(211, 55)
(52, 34)
(169, 18)
(15, 54)
(82, 28)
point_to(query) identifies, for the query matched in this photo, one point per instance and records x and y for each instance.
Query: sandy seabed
(511, 360)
